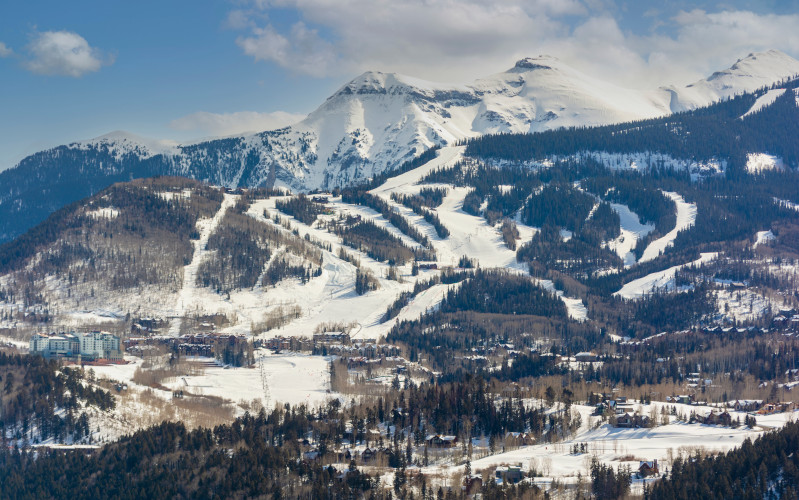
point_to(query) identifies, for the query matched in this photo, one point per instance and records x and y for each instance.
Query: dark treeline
(631, 189)
(301, 208)
(505, 188)
(379, 244)
(558, 205)
(655, 312)
(672, 312)
(377, 204)
(732, 355)
(244, 246)
(432, 197)
(282, 267)
(602, 225)
(419, 204)
(261, 455)
(41, 400)
(255, 456)
(365, 281)
(405, 298)
(145, 213)
(711, 132)
(127, 236)
(492, 307)
(578, 256)
(501, 292)
(510, 233)
(765, 468)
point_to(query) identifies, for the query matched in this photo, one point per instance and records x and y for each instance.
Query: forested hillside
(42, 401)
(715, 132)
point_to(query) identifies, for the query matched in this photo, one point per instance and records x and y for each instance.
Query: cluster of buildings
(358, 352)
(78, 346)
(608, 405)
(199, 344)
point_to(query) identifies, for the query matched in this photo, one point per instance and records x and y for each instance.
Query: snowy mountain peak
(120, 143)
(762, 65)
(378, 120)
(371, 82)
(376, 82)
(755, 71)
(530, 63)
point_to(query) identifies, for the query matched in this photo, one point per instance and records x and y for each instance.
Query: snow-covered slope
(377, 121)
(120, 143)
(374, 123)
(750, 73)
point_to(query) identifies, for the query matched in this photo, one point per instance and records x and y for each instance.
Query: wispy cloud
(5, 50)
(457, 40)
(64, 53)
(301, 50)
(222, 124)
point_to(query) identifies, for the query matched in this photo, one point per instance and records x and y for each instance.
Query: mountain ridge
(372, 124)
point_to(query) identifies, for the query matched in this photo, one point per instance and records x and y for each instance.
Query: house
(746, 404)
(585, 357)
(472, 484)
(370, 454)
(278, 344)
(511, 474)
(724, 419)
(628, 421)
(622, 408)
(439, 441)
(608, 406)
(646, 469)
(331, 338)
(519, 439)
(624, 421)
(781, 407)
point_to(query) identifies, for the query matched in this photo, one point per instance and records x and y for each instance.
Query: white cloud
(434, 36)
(301, 50)
(63, 53)
(224, 124)
(5, 50)
(457, 40)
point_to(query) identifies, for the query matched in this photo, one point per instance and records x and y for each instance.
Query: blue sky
(180, 69)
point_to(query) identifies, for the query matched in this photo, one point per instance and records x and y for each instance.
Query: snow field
(758, 162)
(620, 447)
(103, 213)
(743, 305)
(331, 297)
(764, 101)
(631, 231)
(292, 378)
(686, 217)
(763, 238)
(574, 306)
(660, 280)
(649, 159)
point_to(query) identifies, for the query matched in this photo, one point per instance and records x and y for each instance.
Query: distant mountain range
(373, 123)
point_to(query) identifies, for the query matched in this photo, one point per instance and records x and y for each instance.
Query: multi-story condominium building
(89, 346)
